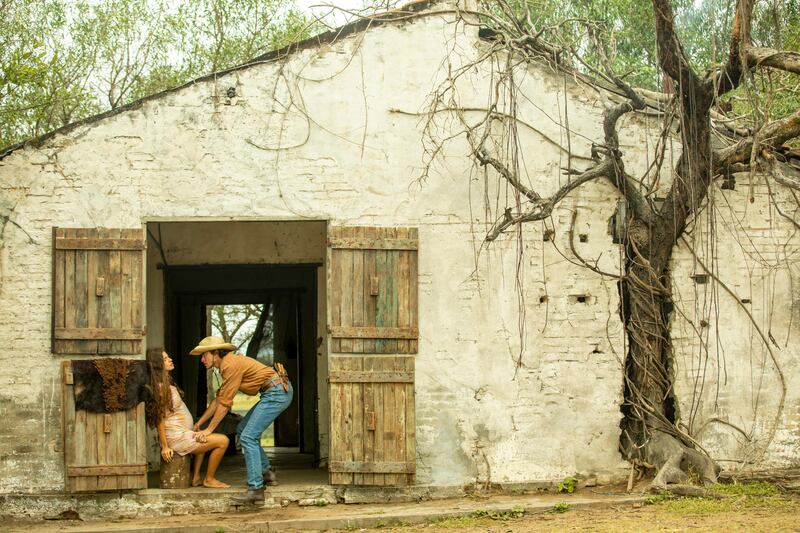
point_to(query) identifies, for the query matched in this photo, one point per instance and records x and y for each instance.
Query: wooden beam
(383, 467)
(98, 244)
(107, 470)
(365, 243)
(99, 333)
(373, 332)
(356, 376)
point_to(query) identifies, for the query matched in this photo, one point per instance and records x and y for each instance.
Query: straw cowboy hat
(211, 343)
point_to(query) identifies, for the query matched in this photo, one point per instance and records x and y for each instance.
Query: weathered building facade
(493, 363)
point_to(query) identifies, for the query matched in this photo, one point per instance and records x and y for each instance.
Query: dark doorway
(289, 295)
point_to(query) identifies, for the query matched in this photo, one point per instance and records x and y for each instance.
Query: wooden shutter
(102, 451)
(98, 288)
(372, 317)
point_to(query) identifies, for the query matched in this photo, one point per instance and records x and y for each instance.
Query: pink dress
(178, 426)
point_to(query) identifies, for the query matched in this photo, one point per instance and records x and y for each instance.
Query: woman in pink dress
(167, 412)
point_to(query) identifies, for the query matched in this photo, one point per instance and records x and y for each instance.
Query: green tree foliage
(625, 31)
(63, 60)
(40, 85)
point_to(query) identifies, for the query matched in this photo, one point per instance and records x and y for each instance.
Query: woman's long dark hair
(160, 402)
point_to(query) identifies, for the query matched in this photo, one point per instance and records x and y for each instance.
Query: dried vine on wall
(651, 434)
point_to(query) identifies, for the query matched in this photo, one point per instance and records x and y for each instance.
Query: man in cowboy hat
(242, 373)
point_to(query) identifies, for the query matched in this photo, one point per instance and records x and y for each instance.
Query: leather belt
(271, 383)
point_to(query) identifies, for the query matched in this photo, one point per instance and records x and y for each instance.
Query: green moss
(748, 489)
(708, 506)
(561, 507)
(481, 517)
(458, 522)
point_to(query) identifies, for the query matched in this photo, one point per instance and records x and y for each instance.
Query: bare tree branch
(778, 59)
(772, 135)
(545, 207)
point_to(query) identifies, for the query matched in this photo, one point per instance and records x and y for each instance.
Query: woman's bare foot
(196, 482)
(214, 483)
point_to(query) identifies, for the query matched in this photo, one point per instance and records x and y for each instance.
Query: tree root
(677, 463)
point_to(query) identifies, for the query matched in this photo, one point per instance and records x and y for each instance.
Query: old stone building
(422, 356)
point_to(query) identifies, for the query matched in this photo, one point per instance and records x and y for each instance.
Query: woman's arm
(212, 407)
(166, 451)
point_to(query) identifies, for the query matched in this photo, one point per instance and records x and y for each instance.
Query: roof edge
(357, 26)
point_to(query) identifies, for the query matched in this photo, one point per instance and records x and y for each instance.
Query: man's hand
(202, 436)
(196, 426)
(166, 454)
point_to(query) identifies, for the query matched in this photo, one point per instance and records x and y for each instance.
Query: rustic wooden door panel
(372, 322)
(372, 433)
(102, 451)
(373, 291)
(98, 287)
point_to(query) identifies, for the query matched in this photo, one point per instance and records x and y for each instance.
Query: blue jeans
(271, 404)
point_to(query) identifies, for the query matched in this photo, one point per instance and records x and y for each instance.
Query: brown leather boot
(249, 497)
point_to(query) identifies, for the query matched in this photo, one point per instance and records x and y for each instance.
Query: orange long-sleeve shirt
(241, 373)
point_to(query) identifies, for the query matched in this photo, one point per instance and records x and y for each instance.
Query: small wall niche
(700, 279)
(583, 237)
(579, 299)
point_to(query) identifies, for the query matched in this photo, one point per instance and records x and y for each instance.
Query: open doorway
(264, 296)
(271, 332)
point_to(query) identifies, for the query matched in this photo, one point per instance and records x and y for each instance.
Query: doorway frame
(309, 293)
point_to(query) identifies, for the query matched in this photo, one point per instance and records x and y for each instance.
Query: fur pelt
(108, 385)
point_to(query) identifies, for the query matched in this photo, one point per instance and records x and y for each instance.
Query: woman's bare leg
(216, 444)
(198, 463)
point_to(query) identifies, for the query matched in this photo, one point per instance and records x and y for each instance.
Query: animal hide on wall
(108, 385)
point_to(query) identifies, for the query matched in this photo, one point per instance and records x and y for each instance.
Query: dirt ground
(738, 512)
(751, 515)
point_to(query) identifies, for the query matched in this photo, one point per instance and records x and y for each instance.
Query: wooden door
(98, 309)
(102, 451)
(98, 291)
(373, 330)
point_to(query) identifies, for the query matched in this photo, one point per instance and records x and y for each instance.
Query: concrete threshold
(151, 503)
(348, 516)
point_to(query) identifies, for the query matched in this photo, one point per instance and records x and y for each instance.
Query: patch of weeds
(391, 524)
(219, 530)
(568, 485)
(661, 497)
(481, 517)
(459, 522)
(762, 488)
(743, 503)
(699, 506)
(561, 507)
(321, 503)
(516, 512)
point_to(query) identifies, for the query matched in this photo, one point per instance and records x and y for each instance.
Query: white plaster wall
(516, 380)
(738, 381)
